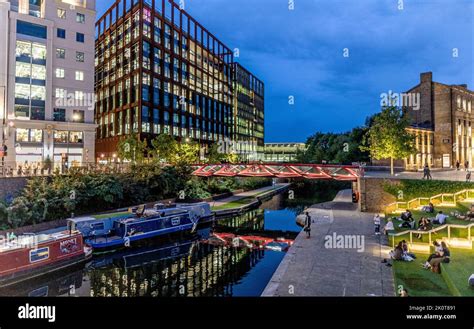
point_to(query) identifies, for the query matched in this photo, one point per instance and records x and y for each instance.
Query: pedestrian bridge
(279, 170)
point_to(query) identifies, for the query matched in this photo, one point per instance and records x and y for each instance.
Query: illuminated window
(61, 13)
(79, 76)
(60, 73)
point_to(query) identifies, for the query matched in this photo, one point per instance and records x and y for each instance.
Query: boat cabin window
(97, 226)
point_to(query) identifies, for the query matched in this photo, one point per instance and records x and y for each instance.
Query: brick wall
(373, 198)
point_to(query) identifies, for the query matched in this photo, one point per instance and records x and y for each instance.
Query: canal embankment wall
(372, 196)
(11, 186)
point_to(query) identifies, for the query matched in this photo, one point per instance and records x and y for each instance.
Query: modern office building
(159, 71)
(442, 124)
(282, 152)
(47, 82)
(249, 113)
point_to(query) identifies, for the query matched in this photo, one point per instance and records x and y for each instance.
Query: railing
(445, 199)
(42, 169)
(435, 230)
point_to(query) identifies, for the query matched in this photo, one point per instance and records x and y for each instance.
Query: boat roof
(32, 240)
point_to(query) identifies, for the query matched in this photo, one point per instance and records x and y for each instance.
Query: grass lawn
(240, 202)
(417, 214)
(112, 215)
(459, 270)
(235, 204)
(418, 281)
(421, 282)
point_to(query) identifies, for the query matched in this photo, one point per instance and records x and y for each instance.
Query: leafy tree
(19, 213)
(388, 137)
(342, 148)
(167, 150)
(132, 149)
(216, 156)
(164, 147)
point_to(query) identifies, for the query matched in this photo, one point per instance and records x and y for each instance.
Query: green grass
(421, 282)
(112, 215)
(417, 214)
(418, 281)
(459, 270)
(241, 202)
(235, 204)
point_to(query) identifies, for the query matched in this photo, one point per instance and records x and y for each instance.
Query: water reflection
(187, 267)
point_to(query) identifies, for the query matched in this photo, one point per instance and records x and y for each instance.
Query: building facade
(159, 71)
(47, 82)
(249, 114)
(282, 152)
(443, 125)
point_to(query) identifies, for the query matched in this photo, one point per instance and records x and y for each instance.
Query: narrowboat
(28, 256)
(116, 230)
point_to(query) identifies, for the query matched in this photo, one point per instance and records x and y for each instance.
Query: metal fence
(48, 169)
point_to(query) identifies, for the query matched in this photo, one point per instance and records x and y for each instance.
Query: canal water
(188, 267)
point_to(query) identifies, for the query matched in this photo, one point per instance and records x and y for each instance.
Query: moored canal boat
(114, 231)
(28, 256)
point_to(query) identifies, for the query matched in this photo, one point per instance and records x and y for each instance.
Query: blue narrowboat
(112, 231)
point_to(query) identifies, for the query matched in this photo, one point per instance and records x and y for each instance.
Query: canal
(189, 267)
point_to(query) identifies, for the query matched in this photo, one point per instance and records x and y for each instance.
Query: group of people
(469, 216)
(401, 252)
(424, 224)
(440, 255)
(427, 171)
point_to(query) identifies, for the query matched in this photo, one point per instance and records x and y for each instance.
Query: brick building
(442, 124)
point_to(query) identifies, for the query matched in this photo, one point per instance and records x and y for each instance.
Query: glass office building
(159, 71)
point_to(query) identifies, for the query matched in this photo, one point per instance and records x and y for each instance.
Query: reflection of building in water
(253, 220)
(59, 284)
(209, 271)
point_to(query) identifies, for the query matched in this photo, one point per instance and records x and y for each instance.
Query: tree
(167, 150)
(164, 147)
(132, 149)
(216, 156)
(388, 137)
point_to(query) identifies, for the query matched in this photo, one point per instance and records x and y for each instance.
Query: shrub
(412, 189)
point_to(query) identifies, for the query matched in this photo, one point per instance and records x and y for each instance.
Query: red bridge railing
(279, 170)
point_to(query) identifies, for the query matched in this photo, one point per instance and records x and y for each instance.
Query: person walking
(466, 165)
(457, 165)
(427, 172)
(468, 177)
(307, 225)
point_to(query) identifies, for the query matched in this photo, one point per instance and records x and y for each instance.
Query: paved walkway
(449, 175)
(247, 194)
(311, 269)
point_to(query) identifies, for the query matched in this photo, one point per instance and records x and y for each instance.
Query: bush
(412, 189)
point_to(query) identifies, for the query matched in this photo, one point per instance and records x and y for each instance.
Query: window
(80, 18)
(80, 37)
(79, 76)
(61, 13)
(79, 56)
(60, 53)
(29, 135)
(61, 33)
(59, 115)
(78, 116)
(31, 29)
(60, 93)
(38, 72)
(60, 73)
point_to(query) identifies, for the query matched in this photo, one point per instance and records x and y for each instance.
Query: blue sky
(299, 53)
